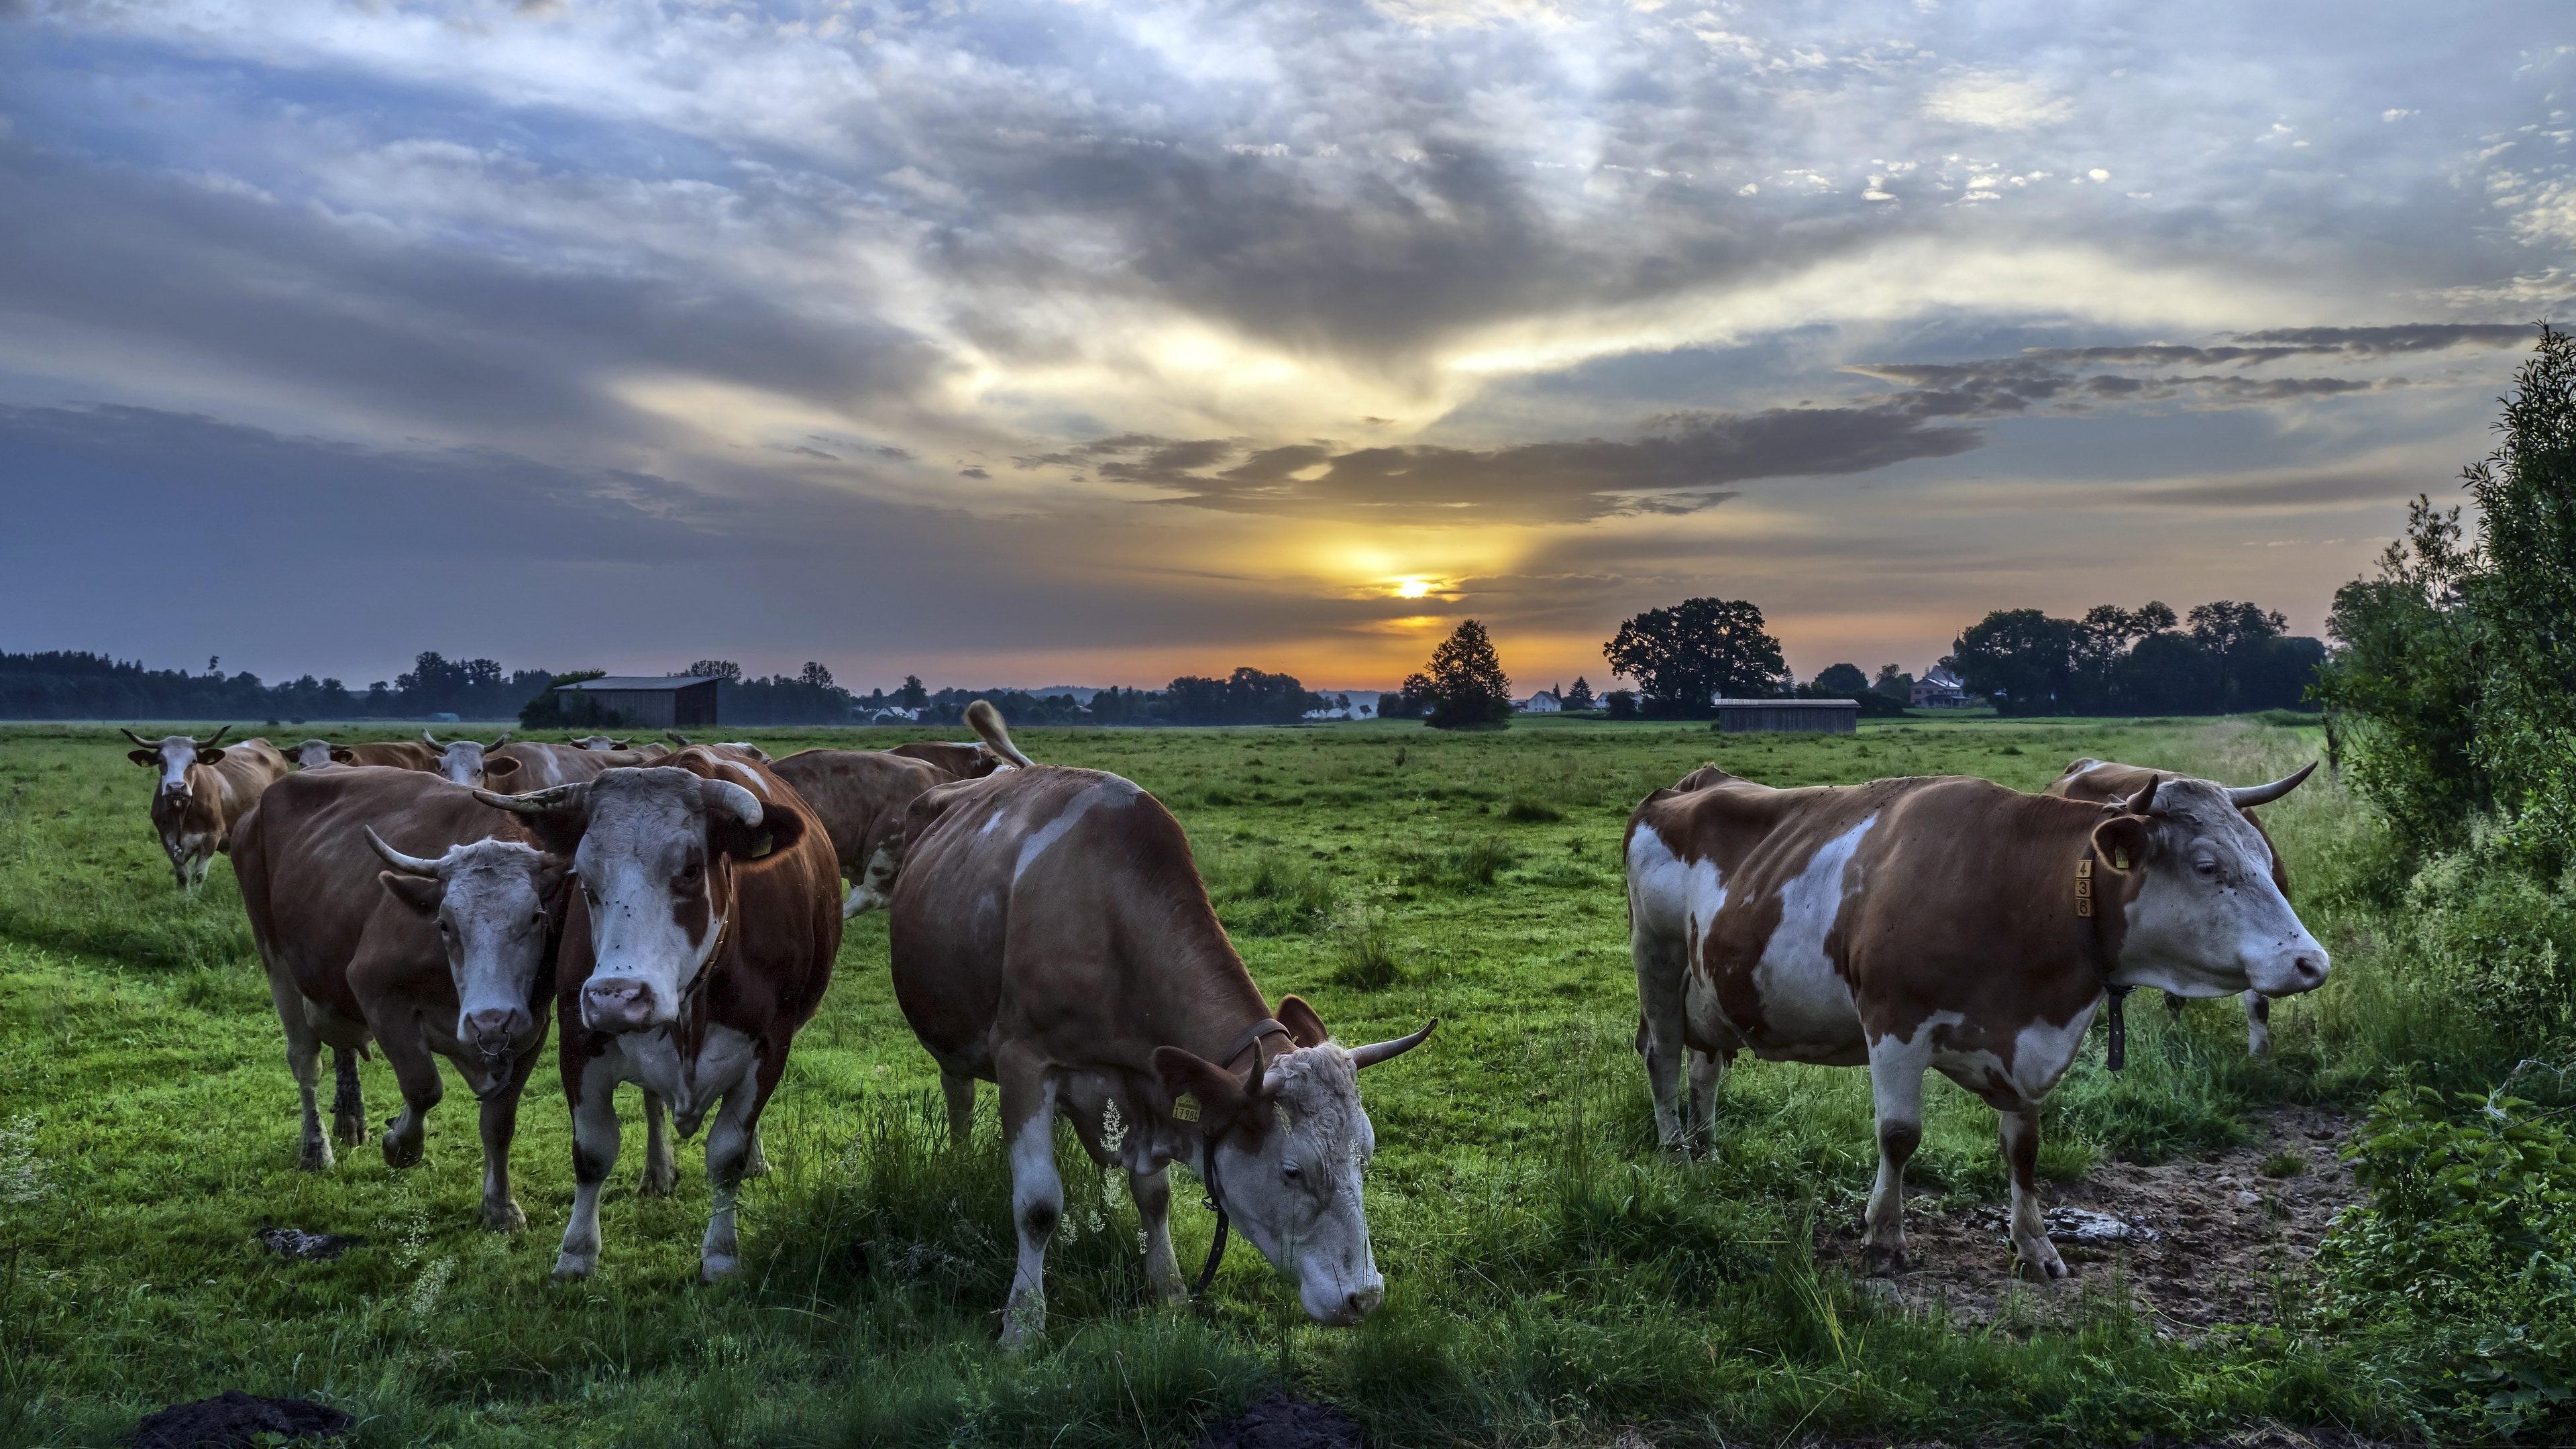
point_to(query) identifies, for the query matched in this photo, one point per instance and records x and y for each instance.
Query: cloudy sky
(1031, 342)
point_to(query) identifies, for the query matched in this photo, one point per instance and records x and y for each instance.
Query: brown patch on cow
(2218, 1259)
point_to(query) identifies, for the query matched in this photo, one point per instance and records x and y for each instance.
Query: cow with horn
(464, 762)
(1050, 934)
(205, 789)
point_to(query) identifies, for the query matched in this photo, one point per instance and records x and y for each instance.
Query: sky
(1061, 341)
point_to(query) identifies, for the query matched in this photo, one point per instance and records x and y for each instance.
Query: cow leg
(2258, 1024)
(416, 1074)
(1153, 1194)
(2021, 1156)
(594, 1156)
(1707, 1079)
(1896, 1087)
(500, 1123)
(960, 1092)
(1037, 1194)
(730, 1139)
(755, 1162)
(348, 1100)
(661, 1165)
(1660, 1014)
(304, 1059)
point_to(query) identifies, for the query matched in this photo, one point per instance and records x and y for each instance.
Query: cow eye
(2205, 867)
(1290, 1172)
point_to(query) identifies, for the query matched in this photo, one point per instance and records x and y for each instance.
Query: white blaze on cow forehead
(1803, 997)
(1106, 792)
(177, 755)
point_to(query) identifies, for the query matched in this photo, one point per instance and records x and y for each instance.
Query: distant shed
(1797, 716)
(677, 701)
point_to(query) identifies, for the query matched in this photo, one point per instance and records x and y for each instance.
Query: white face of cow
(1296, 1196)
(653, 854)
(491, 901)
(312, 754)
(2207, 919)
(598, 742)
(170, 758)
(464, 762)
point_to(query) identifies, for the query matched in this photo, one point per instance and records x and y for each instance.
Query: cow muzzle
(2300, 968)
(495, 1030)
(619, 1004)
(1339, 1302)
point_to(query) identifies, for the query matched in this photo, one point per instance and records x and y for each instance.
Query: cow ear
(420, 892)
(1303, 1024)
(1211, 1090)
(342, 754)
(779, 829)
(2122, 842)
(149, 759)
(210, 757)
(500, 769)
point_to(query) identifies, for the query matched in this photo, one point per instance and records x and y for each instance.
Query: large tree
(1468, 689)
(1697, 651)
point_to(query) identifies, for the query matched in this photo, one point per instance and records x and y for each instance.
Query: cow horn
(677, 738)
(209, 741)
(503, 740)
(138, 739)
(1369, 1056)
(539, 802)
(407, 864)
(431, 740)
(2248, 795)
(730, 797)
(2144, 802)
(1260, 1069)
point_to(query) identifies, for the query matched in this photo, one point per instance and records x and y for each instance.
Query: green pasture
(1551, 1278)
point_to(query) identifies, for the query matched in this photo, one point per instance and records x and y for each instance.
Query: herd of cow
(677, 912)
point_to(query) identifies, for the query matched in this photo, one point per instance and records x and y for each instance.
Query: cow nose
(617, 1003)
(1364, 1302)
(2308, 969)
(492, 1028)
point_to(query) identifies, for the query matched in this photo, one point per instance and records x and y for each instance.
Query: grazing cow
(1051, 935)
(205, 790)
(542, 766)
(2102, 781)
(451, 952)
(699, 942)
(861, 795)
(1945, 923)
(463, 762)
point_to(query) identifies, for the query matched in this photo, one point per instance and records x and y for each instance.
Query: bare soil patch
(235, 1420)
(1284, 1421)
(2193, 1244)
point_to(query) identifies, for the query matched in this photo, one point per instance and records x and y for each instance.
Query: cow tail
(988, 727)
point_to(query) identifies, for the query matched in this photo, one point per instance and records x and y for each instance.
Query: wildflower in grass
(425, 1293)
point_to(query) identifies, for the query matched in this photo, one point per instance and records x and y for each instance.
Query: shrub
(2464, 1263)
(1363, 954)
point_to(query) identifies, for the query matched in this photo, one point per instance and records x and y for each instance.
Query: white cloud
(1997, 100)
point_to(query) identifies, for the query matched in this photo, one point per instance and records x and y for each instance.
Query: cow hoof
(575, 1265)
(2039, 1270)
(348, 1131)
(1886, 1262)
(317, 1156)
(401, 1154)
(504, 1217)
(659, 1182)
(717, 1267)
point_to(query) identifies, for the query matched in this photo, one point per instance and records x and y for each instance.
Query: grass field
(1551, 1278)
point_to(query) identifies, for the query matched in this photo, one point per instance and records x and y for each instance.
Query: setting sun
(1412, 588)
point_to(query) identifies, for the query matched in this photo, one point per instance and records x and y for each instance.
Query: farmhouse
(1543, 702)
(1939, 689)
(1796, 716)
(674, 701)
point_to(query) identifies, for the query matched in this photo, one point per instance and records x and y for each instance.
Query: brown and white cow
(464, 762)
(598, 742)
(204, 790)
(861, 796)
(700, 939)
(543, 766)
(740, 749)
(392, 754)
(1942, 923)
(964, 761)
(2102, 781)
(451, 953)
(1051, 934)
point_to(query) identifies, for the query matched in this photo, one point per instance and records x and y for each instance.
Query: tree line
(67, 684)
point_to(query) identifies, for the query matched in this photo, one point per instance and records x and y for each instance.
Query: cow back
(860, 796)
(543, 766)
(962, 761)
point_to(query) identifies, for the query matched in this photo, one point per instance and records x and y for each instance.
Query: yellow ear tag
(1286, 1122)
(1185, 1107)
(2119, 860)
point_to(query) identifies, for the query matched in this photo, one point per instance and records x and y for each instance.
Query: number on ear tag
(1185, 1107)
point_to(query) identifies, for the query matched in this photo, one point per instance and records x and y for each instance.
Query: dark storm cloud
(1680, 463)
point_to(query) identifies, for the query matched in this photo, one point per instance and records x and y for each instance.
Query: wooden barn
(676, 701)
(1792, 716)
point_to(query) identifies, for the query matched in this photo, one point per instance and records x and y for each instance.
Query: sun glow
(1414, 588)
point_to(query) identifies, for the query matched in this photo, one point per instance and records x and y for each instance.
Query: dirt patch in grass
(2208, 1241)
(235, 1420)
(1284, 1421)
